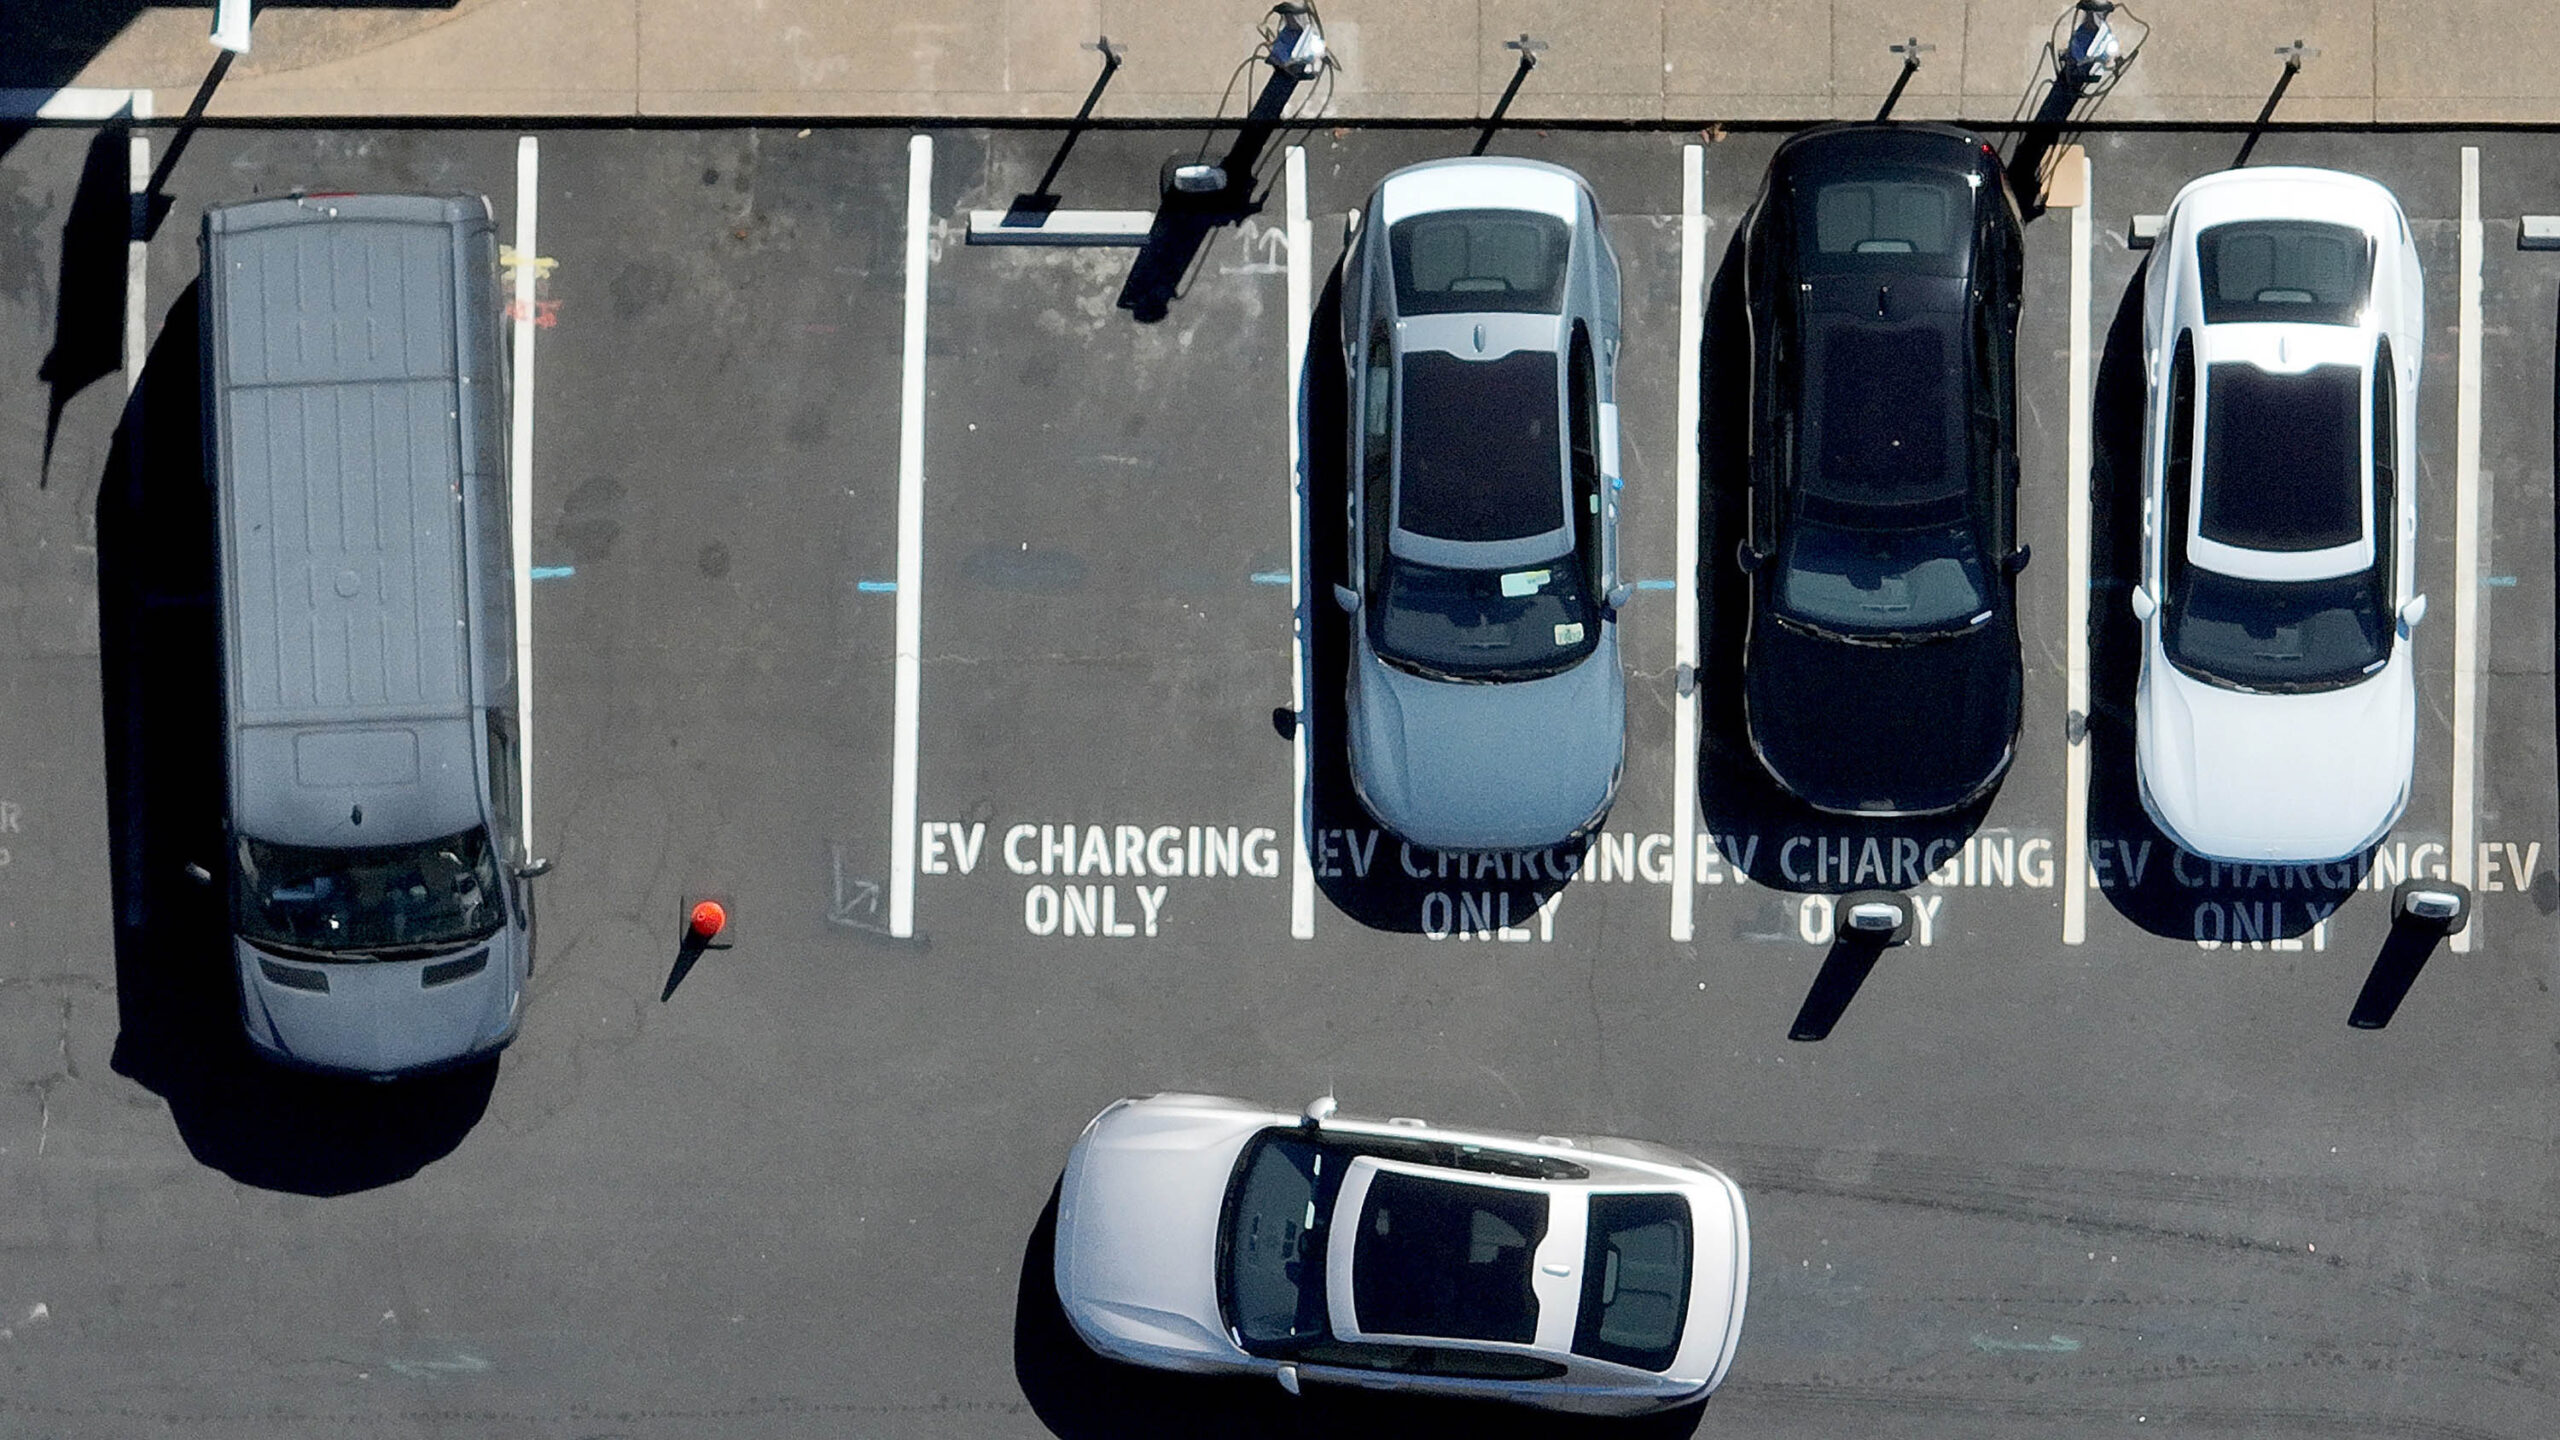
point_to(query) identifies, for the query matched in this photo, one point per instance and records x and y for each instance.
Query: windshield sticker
(1569, 634)
(1525, 582)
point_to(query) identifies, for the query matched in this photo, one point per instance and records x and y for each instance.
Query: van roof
(337, 398)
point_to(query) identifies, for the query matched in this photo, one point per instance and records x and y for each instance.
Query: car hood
(380, 1017)
(2292, 778)
(1883, 729)
(1138, 1229)
(1512, 766)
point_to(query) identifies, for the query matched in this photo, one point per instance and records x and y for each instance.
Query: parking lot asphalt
(2151, 1179)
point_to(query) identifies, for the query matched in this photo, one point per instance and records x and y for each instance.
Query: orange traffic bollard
(708, 919)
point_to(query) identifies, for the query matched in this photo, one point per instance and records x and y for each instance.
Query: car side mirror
(198, 873)
(1347, 599)
(2144, 606)
(2412, 613)
(1619, 596)
(2016, 560)
(533, 869)
(1318, 1111)
(1287, 1375)
(1748, 558)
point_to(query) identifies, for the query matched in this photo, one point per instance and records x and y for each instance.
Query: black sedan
(1881, 272)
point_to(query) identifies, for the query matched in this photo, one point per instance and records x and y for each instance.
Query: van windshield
(358, 904)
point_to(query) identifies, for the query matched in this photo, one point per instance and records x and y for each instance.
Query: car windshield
(1271, 1244)
(1485, 625)
(1469, 261)
(1876, 573)
(1635, 1281)
(2276, 635)
(345, 903)
(2283, 457)
(2307, 272)
(1447, 1259)
(1479, 455)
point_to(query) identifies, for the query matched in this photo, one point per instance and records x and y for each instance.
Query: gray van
(356, 444)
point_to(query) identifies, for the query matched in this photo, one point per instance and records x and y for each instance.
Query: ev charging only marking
(1302, 875)
(2075, 754)
(520, 463)
(1684, 623)
(910, 641)
(2466, 548)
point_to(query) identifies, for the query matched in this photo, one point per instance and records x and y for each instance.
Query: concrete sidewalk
(1660, 61)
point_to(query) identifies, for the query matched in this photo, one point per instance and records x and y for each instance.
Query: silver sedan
(1593, 1275)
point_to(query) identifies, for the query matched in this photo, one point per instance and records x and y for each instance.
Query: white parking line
(1302, 872)
(2075, 613)
(910, 643)
(137, 248)
(520, 466)
(2466, 547)
(1684, 607)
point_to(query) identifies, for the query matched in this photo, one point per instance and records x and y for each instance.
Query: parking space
(2027, 1185)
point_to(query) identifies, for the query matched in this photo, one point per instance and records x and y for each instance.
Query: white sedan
(1600, 1276)
(2283, 322)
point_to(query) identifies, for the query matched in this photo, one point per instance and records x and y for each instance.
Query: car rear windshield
(358, 904)
(1467, 261)
(1903, 220)
(1447, 1259)
(1884, 413)
(1480, 455)
(1271, 1243)
(1485, 625)
(1635, 1281)
(2283, 457)
(2304, 271)
(2276, 635)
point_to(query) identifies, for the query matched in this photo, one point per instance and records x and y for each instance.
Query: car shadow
(1079, 1395)
(177, 1004)
(2142, 872)
(1367, 872)
(1757, 827)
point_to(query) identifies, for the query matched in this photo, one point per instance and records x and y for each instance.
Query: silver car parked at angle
(1487, 709)
(1593, 1275)
(2283, 323)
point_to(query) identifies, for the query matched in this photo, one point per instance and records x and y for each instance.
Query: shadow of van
(177, 1003)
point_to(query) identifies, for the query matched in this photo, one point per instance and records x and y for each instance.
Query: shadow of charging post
(1871, 922)
(2423, 912)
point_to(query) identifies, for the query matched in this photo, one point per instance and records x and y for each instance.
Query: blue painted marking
(1656, 584)
(876, 587)
(554, 572)
(2503, 581)
(1270, 577)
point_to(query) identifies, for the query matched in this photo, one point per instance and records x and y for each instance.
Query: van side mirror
(1346, 599)
(1318, 1111)
(2412, 613)
(1287, 1375)
(2144, 606)
(533, 869)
